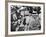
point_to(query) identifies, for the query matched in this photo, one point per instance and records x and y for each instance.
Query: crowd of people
(25, 18)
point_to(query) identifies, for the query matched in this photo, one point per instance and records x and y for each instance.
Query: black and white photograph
(25, 18)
